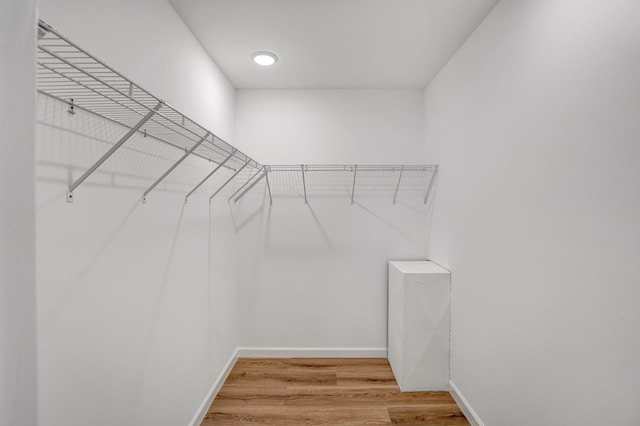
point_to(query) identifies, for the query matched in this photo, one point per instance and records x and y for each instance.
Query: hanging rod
(70, 74)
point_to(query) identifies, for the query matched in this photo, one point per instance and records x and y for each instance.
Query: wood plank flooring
(325, 391)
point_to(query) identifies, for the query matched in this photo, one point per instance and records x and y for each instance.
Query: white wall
(314, 276)
(18, 394)
(535, 124)
(136, 303)
(331, 126)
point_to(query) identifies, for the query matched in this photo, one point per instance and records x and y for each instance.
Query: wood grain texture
(325, 391)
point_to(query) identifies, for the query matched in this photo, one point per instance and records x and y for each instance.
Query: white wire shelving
(70, 74)
(331, 179)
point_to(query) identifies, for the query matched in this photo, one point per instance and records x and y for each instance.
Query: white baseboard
(215, 388)
(279, 352)
(466, 408)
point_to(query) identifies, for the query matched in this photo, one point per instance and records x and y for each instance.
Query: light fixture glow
(264, 58)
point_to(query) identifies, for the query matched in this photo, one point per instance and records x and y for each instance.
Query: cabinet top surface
(417, 267)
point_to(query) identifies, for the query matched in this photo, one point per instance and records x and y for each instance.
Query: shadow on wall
(127, 312)
(329, 209)
(71, 143)
(314, 274)
(328, 225)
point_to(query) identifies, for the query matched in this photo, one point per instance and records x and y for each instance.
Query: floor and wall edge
(284, 352)
(215, 388)
(464, 405)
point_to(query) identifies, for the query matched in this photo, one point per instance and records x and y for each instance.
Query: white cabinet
(418, 330)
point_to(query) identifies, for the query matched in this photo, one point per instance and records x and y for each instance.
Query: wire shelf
(70, 74)
(340, 180)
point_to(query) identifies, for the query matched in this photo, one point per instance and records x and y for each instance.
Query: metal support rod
(304, 186)
(230, 179)
(398, 185)
(208, 176)
(246, 183)
(266, 175)
(433, 178)
(172, 168)
(113, 149)
(353, 187)
(250, 186)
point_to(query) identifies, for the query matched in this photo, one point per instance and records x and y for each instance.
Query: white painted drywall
(18, 393)
(136, 303)
(331, 126)
(315, 276)
(535, 124)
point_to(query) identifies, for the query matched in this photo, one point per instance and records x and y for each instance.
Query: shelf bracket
(230, 179)
(266, 175)
(395, 196)
(208, 176)
(304, 185)
(433, 178)
(251, 186)
(246, 183)
(172, 168)
(113, 149)
(353, 187)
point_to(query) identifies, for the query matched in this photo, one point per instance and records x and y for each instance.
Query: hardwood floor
(325, 391)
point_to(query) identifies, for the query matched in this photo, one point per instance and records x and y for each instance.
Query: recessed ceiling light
(264, 58)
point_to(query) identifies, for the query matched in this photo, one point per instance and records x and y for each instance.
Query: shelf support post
(113, 149)
(172, 168)
(398, 185)
(353, 187)
(433, 178)
(304, 185)
(266, 175)
(230, 179)
(208, 176)
(251, 186)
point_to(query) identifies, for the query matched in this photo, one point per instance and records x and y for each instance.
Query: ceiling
(333, 43)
